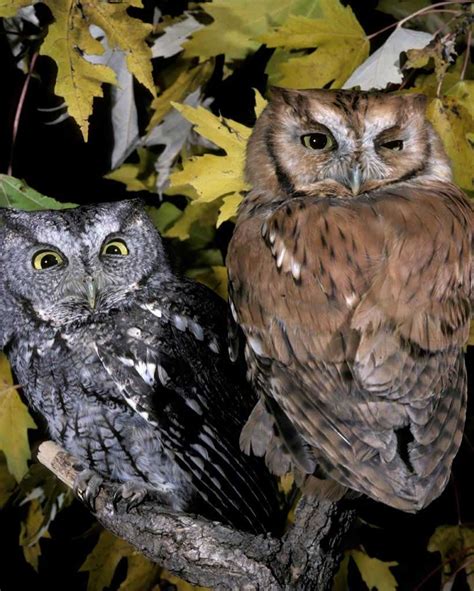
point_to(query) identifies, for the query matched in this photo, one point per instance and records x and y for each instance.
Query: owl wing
(169, 368)
(354, 313)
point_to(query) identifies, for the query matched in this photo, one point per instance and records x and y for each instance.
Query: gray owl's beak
(354, 180)
(91, 291)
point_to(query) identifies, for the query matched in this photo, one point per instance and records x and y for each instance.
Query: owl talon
(87, 486)
(133, 494)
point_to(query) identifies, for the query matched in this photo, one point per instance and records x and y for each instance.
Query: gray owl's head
(76, 265)
(361, 140)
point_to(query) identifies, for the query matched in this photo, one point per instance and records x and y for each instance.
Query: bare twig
(422, 12)
(19, 109)
(211, 554)
(467, 55)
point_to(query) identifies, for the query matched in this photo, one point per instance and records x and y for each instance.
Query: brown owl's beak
(91, 291)
(354, 180)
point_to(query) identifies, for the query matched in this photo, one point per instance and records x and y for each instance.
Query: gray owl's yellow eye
(115, 248)
(317, 141)
(45, 259)
(395, 145)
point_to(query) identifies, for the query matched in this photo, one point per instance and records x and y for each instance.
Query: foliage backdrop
(103, 100)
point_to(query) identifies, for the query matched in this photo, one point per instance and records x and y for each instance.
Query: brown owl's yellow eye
(115, 248)
(45, 259)
(317, 141)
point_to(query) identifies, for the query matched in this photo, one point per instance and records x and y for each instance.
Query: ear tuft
(417, 102)
(279, 95)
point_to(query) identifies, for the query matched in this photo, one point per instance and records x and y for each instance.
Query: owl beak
(354, 178)
(91, 291)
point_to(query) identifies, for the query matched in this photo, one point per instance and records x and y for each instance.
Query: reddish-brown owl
(350, 276)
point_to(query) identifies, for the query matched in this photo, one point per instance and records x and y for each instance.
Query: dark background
(54, 160)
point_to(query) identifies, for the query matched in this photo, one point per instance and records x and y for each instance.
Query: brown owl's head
(361, 140)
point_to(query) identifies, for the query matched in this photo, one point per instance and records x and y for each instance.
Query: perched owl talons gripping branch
(127, 363)
(350, 274)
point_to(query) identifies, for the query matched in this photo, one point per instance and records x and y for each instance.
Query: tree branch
(213, 555)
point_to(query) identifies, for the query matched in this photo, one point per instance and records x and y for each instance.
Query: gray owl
(127, 363)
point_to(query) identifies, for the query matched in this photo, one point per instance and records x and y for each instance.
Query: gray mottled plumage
(127, 362)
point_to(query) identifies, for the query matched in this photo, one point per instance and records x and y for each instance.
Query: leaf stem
(19, 109)
(467, 54)
(422, 11)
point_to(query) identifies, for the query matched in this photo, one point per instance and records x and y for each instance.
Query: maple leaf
(455, 544)
(237, 25)
(11, 7)
(32, 530)
(340, 41)
(14, 424)
(211, 176)
(104, 559)
(69, 42)
(125, 33)
(77, 81)
(454, 123)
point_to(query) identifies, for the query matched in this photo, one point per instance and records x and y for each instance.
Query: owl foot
(87, 486)
(132, 493)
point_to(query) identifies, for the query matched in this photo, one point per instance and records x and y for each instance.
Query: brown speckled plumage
(354, 307)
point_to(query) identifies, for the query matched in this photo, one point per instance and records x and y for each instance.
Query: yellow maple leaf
(215, 278)
(7, 482)
(229, 207)
(125, 33)
(32, 530)
(14, 424)
(68, 39)
(195, 212)
(216, 182)
(341, 44)
(139, 176)
(209, 176)
(455, 544)
(463, 92)
(11, 7)
(103, 561)
(237, 25)
(184, 84)
(454, 123)
(77, 80)
(375, 573)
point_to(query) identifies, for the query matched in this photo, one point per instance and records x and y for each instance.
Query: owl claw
(87, 486)
(132, 493)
